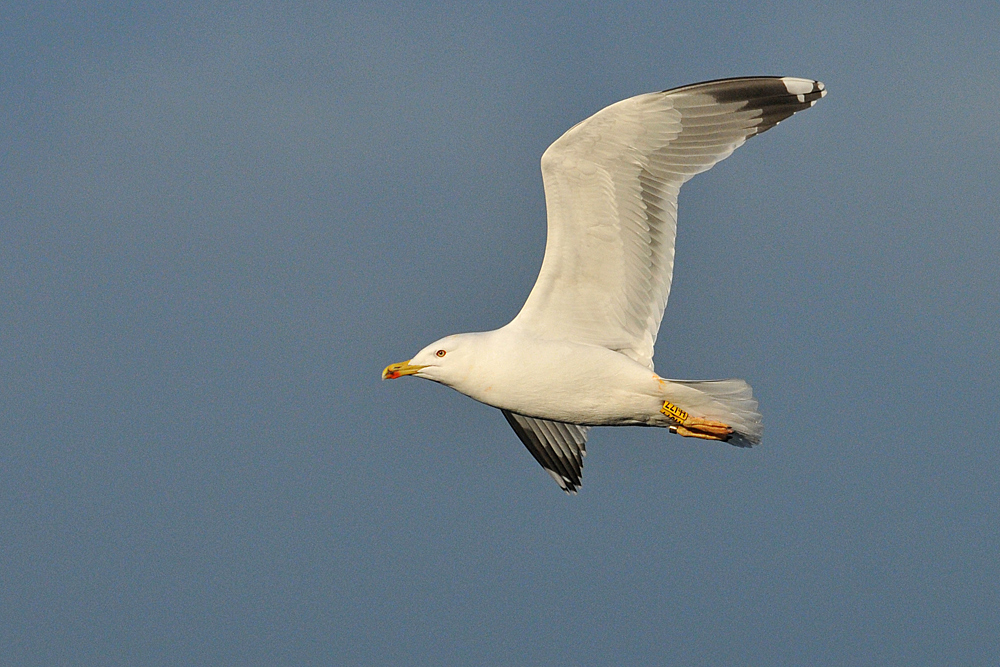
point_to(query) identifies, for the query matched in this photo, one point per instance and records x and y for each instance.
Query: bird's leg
(695, 427)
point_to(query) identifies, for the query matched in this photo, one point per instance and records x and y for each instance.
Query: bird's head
(446, 361)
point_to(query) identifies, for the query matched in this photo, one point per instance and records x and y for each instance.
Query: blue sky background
(221, 220)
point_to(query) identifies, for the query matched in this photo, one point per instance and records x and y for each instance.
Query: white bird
(580, 352)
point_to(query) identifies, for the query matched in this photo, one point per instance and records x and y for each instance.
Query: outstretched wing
(611, 185)
(558, 447)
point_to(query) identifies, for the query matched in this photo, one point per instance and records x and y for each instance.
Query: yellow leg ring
(674, 412)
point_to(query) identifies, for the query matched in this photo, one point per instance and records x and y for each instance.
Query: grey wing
(557, 446)
(611, 186)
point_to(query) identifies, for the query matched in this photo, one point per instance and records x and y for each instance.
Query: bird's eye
(440, 353)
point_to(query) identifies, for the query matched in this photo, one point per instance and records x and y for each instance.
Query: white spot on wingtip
(801, 98)
(558, 478)
(797, 86)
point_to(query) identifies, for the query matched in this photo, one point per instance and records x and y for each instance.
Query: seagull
(580, 352)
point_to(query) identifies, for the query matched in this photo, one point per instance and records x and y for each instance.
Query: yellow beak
(393, 371)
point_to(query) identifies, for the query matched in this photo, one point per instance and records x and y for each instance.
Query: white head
(448, 361)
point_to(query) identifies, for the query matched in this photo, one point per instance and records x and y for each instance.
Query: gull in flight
(580, 352)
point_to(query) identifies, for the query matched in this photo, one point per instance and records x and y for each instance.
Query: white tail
(728, 401)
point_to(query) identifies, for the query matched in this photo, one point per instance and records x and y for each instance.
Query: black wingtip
(774, 97)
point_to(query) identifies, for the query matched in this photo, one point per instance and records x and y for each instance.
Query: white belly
(568, 382)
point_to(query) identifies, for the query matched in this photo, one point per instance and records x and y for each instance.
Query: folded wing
(611, 185)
